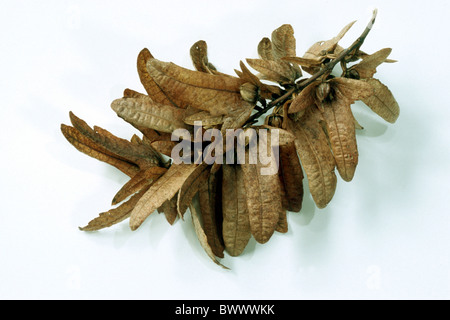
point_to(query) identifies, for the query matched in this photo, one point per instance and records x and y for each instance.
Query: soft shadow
(306, 215)
(396, 159)
(311, 231)
(313, 245)
(373, 126)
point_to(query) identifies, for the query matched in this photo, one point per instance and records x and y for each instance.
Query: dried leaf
(169, 208)
(147, 113)
(283, 42)
(276, 71)
(217, 94)
(319, 50)
(116, 215)
(129, 93)
(207, 196)
(291, 176)
(199, 56)
(116, 147)
(164, 147)
(339, 120)
(352, 89)
(236, 223)
(368, 66)
(282, 224)
(237, 119)
(142, 179)
(382, 102)
(341, 131)
(304, 62)
(152, 88)
(265, 49)
(190, 187)
(283, 138)
(205, 117)
(163, 189)
(305, 98)
(315, 155)
(322, 50)
(123, 145)
(263, 200)
(134, 139)
(264, 90)
(196, 216)
(284, 199)
(246, 75)
(151, 135)
(141, 155)
(94, 150)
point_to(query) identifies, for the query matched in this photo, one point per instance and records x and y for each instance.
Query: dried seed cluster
(230, 203)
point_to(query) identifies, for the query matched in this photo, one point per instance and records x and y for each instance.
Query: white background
(385, 235)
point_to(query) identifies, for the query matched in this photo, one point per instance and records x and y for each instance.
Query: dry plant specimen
(201, 147)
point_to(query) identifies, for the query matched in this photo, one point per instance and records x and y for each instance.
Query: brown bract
(310, 130)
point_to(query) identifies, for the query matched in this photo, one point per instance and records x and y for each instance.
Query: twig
(327, 68)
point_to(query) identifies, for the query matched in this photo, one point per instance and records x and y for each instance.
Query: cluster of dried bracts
(229, 202)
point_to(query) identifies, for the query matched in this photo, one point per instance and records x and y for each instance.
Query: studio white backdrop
(385, 235)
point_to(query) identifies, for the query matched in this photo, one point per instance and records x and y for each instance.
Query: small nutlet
(249, 92)
(275, 121)
(322, 91)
